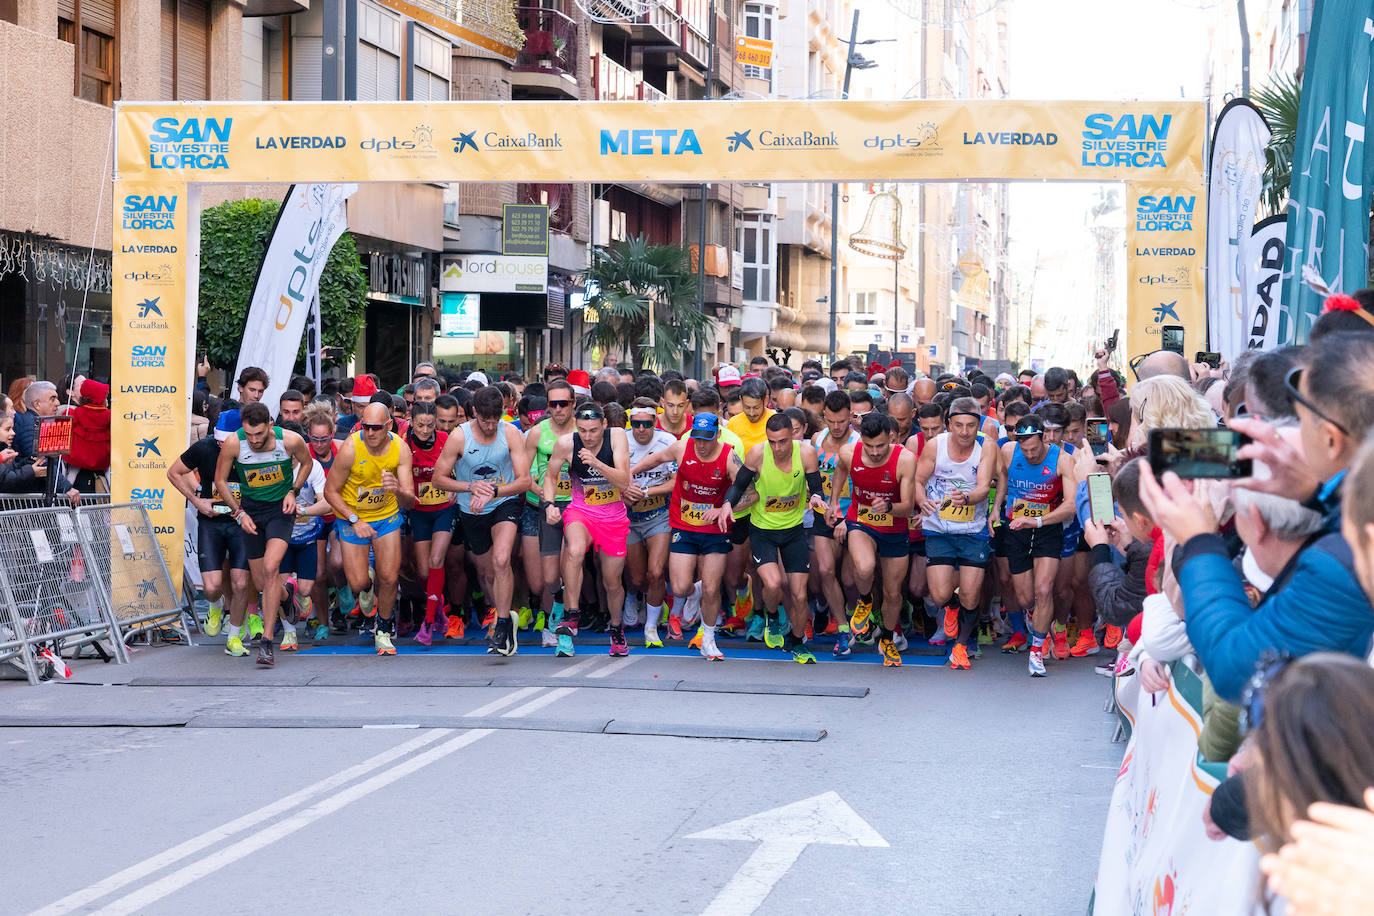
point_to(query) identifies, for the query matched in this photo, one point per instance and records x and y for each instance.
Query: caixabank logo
(190, 143)
(1126, 142)
(147, 316)
(156, 212)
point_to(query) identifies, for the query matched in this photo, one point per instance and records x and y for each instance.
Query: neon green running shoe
(235, 647)
(770, 639)
(802, 656)
(526, 618)
(252, 627)
(214, 620)
(539, 620)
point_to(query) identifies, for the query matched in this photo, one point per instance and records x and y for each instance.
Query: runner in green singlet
(542, 543)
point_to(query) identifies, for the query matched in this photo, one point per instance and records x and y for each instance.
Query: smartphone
(1211, 359)
(1100, 503)
(1110, 346)
(1171, 337)
(1099, 434)
(1199, 453)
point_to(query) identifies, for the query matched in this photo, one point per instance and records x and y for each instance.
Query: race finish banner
(165, 151)
(1233, 191)
(1165, 235)
(1333, 166)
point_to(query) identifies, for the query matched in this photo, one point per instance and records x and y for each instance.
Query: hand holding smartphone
(1100, 503)
(1199, 453)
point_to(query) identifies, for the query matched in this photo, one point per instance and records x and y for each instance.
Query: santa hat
(363, 389)
(94, 391)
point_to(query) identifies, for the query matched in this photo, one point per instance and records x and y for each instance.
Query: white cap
(478, 377)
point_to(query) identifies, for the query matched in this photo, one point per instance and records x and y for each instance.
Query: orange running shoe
(696, 640)
(455, 626)
(489, 620)
(1015, 644)
(958, 658)
(832, 625)
(891, 657)
(809, 632)
(1060, 643)
(1086, 644)
(952, 622)
(1112, 638)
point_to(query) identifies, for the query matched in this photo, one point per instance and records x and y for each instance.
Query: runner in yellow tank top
(364, 490)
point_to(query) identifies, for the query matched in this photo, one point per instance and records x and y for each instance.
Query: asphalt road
(190, 782)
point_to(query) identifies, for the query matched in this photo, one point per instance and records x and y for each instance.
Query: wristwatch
(353, 518)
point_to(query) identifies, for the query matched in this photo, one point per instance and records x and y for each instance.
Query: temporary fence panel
(12, 501)
(50, 588)
(130, 567)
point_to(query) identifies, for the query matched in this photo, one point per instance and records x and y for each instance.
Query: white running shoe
(899, 640)
(630, 615)
(547, 639)
(708, 645)
(691, 608)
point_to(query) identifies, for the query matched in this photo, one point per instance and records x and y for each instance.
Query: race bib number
(264, 477)
(600, 494)
(650, 503)
(1026, 509)
(952, 513)
(876, 519)
(234, 488)
(372, 498)
(430, 495)
(782, 503)
(828, 475)
(695, 513)
(564, 490)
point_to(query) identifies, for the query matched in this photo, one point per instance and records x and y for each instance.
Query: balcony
(695, 29)
(612, 82)
(660, 26)
(559, 199)
(547, 64)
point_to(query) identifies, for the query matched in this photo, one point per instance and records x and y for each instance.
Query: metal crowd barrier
(72, 578)
(12, 501)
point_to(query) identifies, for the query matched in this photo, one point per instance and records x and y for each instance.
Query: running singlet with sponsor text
(489, 463)
(264, 476)
(872, 484)
(827, 461)
(700, 487)
(591, 491)
(651, 505)
(542, 450)
(782, 494)
(363, 490)
(950, 475)
(428, 497)
(1033, 489)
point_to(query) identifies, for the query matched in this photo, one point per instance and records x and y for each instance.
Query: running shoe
(1061, 642)
(630, 613)
(891, 658)
(1086, 645)
(1036, 662)
(733, 624)
(289, 643)
(696, 640)
(565, 647)
(770, 639)
(288, 605)
(691, 608)
(899, 640)
(1112, 638)
(489, 620)
(382, 641)
(234, 646)
(540, 621)
(214, 620)
(321, 633)
(547, 639)
(985, 633)
(841, 644)
(252, 627)
(651, 638)
(1015, 644)
(810, 631)
(937, 638)
(456, 627)
(744, 603)
(618, 644)
(832, 625)
(424, 636)
(951, 624)
(958, 657)
(860, 622)
(1107, 668)
(708, 645)
(367, 601)
(526, 618)
(265, 657)
(508, 643)
(802, 655)
(567, 624)
(757, 625)
(675, 627)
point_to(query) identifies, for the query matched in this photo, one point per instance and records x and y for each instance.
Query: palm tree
(645, 297)
(1278, 102)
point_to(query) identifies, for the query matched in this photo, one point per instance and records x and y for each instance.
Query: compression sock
(387, 625)
(968, 623)
(347, 600)
(1017, 619)
(434, 592)
(1038, 638)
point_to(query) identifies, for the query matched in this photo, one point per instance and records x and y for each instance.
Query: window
(864, 307)
(185, 49)
(431, 65)
(759, 253)
(379, 54)
(758, 23)
(92, 30)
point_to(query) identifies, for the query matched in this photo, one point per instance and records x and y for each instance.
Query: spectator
(1264, 393)
(1345, 313)
(1162, 362)
(200, 421)
(15, 477)
(90, 454)
(41, 400)
(17, 388)
(1164, 401)
(1119, 591)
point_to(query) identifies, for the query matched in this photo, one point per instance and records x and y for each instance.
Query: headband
(649, 410)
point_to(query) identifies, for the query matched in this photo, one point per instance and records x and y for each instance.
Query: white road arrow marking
(783, 832)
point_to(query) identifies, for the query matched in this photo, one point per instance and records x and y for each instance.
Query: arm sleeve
(815, 483)
(743, 479)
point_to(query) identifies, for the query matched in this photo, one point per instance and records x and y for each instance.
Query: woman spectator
(90, 454)
(1164, 401)
(17, 388)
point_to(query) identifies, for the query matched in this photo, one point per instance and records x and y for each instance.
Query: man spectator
(839, 371)
(291, 407)
(1056, 382)
(40, 400)
(1163, 362)
(1264, 393)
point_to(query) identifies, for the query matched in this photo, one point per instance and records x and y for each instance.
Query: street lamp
(881, 237)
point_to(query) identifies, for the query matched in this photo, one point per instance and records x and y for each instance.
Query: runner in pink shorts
(599, 460)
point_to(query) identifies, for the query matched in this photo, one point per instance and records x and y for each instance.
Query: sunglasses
(320, 438)
(374, 427)
(589, 415)
(1270, 665)
(642, 424)
(1290, 384)
(560, 403)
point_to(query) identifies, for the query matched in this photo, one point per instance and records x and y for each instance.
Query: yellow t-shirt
(751, 434)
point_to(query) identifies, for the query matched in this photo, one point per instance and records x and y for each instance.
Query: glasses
(374, 427)
(560, 403)
(589, 415)
(1270, 665)
(1291, 382)
(320, 438)
(642, 424)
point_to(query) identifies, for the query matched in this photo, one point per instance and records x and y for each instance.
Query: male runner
(953, 476)
(706, 467)
(484, 462)
(647, 496)
(783, 472)
(370, 482)
(542, 543)
(750, 426)
(431, 520)
(262, 456)
(596, 518)
(676, 416)
(300, 564)
(882, 481)
(1032, 479)
(319, 428)
(828, 538)
(930, 423)
(218, 538)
